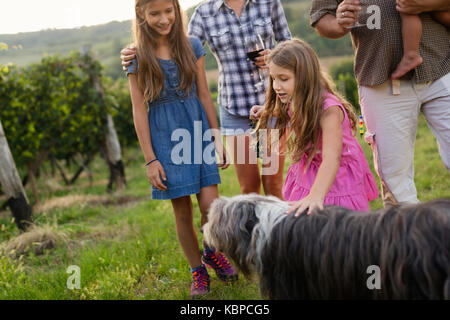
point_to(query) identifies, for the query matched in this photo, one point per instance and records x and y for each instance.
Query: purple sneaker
(200, 282)
(224, 269)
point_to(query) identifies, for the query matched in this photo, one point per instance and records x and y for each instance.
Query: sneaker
(224, 269)
(200, 282)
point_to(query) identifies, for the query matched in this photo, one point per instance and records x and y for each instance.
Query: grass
(125, 244)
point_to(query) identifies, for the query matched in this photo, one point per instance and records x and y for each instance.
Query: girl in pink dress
(329, 166)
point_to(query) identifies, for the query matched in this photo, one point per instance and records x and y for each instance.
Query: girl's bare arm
(155, 170)
(331, 125)
(140, 118)
(204, 94)
(208, 105)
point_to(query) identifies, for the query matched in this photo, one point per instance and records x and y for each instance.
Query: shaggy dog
(327, 255)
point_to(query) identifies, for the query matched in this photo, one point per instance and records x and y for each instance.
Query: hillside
(107, 40)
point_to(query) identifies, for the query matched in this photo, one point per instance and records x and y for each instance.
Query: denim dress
(180, 134)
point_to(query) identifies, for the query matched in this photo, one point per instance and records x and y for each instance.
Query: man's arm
(419, 6)
(328, 27)
(336, 25)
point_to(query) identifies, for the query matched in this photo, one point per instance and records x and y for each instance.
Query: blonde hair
(306, 103)
(150, 77)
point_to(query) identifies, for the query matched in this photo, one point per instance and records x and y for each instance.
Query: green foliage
(106, 41)
(347, 85)
(17, 121)
(118, 92)
(343, 67)
(344, 78)
(297, 14)
(52, 106)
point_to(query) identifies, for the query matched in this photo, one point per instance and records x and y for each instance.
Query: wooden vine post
(12, 185)
(112, 145)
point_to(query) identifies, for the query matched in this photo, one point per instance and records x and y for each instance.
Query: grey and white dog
(326, 255)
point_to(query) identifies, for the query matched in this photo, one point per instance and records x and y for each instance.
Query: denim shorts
(232, 124)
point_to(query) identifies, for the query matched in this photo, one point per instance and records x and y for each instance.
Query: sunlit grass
(125, 244)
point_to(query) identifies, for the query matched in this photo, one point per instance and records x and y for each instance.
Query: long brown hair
(307, 101)
(150, 76)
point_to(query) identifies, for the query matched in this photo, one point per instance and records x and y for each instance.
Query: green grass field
(125, 244)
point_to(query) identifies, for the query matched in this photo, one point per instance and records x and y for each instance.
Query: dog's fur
(326, 255)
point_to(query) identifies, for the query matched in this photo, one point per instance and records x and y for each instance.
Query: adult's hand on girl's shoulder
(155, 172)
(126, 55)
(260, 61)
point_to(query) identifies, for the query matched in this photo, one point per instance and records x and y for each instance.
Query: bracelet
(156, 159)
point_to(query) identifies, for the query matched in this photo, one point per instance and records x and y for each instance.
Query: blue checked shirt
(217, 24)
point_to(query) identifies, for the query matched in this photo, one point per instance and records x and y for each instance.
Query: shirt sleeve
(197, 47)
(195, 27)
(319, 8)
(132, 68)
(331, 100)
(279, 22)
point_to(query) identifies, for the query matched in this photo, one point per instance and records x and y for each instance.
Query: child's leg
(184, 221)
(245, 163)
(412, 33)
(442, 17)
(206, 196)
(272, 172)
(211, 257)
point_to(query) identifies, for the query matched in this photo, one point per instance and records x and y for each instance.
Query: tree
(112, 150)
(12, 185)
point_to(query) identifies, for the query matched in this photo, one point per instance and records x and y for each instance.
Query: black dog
(332, 253)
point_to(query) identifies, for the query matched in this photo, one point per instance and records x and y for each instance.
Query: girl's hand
(310, 202)
(255, 112)
(260, 61)
(127, 54)
(155, 172)
(224, 159)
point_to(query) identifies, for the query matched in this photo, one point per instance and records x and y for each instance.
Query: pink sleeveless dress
(354, 185)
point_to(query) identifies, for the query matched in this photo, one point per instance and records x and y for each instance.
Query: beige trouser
(391, 122)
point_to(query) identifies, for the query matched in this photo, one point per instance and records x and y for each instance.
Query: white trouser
(391, 122)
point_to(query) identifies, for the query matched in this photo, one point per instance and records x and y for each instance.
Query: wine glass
(254, 45)
(361, 16)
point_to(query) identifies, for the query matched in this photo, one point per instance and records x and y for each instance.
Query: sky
(34, 15)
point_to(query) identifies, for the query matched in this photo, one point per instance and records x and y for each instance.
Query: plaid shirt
(217, 24)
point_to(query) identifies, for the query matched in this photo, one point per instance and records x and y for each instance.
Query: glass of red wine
(254, 45)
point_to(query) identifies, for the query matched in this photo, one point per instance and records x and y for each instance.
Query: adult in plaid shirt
(224, 25)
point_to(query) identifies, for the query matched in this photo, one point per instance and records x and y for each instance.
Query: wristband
(156, 159)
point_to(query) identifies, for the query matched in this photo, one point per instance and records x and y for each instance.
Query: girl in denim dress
(228, 26)
(176, 126)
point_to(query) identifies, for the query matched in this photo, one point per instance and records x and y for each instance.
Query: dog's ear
(245, 213)
(251, 222)
(242, 224)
